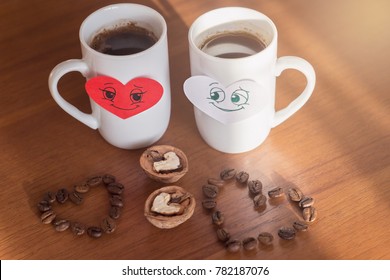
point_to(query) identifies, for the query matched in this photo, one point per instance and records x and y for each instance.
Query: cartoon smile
(233, 103)
(237, 101)
(124, 100)
(226, 110)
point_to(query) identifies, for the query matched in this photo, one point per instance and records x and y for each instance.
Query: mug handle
(71, 65)
(297, 63)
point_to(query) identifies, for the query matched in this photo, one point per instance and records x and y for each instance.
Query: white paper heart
(236, 102)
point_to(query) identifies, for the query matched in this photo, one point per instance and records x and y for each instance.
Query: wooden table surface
(336, 148)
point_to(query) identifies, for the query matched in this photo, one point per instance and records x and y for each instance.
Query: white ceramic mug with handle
(234, 98)
(129, 94)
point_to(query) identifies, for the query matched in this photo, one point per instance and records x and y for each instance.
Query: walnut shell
(146, 162)
(167, 222)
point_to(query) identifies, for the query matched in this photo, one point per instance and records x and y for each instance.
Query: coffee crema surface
(235, 44)
(123, 40)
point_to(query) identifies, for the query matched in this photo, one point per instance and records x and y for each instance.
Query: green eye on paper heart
(239, 97)
(217, 94)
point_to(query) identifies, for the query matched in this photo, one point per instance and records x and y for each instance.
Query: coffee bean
(233, 246)
(286, 233)
(49, 197)
(48, 216)
(209, 203)
(255, 187)
(114, 212)
(265, 238)
(108, 225)
(259, 201)
(76, 198)
(249, 243)
(216, 182)
(115, 188)
(179, 198)
(108, 179)
(300, 226)
(155, 155)
(309, 214)
(306, 202)
(295, 194)
(61, 224)
(210, 191)
(223, 235)
(44, 206)
(78, 228)
(94, 181)
(218, 218)
(275, 192)
(242, 177)
(62, 195)
(175, 199)
(227, 174)
(95, 232)
(116, 200)
(81, 188)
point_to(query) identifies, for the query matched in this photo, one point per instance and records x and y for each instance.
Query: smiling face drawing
(226, 104)
(127, 100)
(237, 100)
(130, 101)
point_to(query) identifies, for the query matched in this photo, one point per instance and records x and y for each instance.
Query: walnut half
(169, 207)
(164, 163)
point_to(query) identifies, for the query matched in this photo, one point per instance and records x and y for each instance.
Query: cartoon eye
(136, 95)
(109, 93)
(239, 97)
(217, 94)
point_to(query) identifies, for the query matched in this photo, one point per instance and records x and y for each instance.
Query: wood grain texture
(335, 149)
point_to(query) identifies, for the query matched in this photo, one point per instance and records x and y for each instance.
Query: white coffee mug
(129, 94)
(243, 118)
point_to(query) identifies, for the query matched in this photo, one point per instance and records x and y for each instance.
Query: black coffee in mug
(232, 44)
(123, 40)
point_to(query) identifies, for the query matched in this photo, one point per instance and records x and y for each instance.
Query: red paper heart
(127, 100)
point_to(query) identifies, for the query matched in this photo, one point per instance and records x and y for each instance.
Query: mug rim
(260, 16)
(157, 15)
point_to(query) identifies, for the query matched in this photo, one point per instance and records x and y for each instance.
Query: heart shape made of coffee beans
(211, 190)
(107, 224)
(124, 100)
(236, 102)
